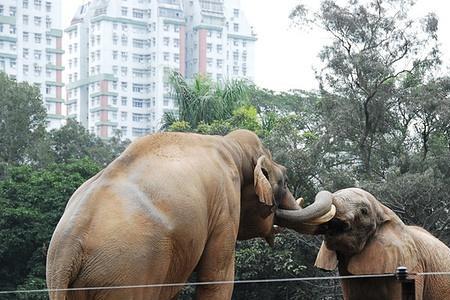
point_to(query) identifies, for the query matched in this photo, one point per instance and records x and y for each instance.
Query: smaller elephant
(366, 237)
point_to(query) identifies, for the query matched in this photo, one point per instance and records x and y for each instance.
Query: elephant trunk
(306, 220)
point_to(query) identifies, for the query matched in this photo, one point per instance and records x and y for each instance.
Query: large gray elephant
(171, 204)
(366, 237)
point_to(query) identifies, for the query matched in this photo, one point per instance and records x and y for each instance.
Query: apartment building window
(98, 54)
(48, 6)
(244, 56)
(210, 62)
(115, 71)
(12, 11)
(166, 27)
(138, 13)
(114, 100)
(25, 69)
(12, 29)
(124, 71)
(12, 64)
(236, 13)
(235, 55)
(49, 58)
(25, 52)
(115, 39)
(37, 54)
(138, 88)
(37, 4)
(70, 63)
(166, 41)
(139, 131)
(49, 41)
(176, 43)
(124, 130)
(236, 27)
(37, 38)
(75, 47)
(70, 48)
(25, 19)
(37, 21)
(138, 43)
(75, 62)
(1, 10)
(124, 56)
(123, 116)
(48, 22)
(48, 89)
(1, 27)
(235, 70)
(138, 103)
(176, 28)
(115, 54)
(124, 40)
(115, 26)
(75, 76)
(124, 86)
(123, 101)
(219, 63)
(37, 70)
(219, 48)
(124, 11)
(25, 3)
(209, 47)
(140, 117)
(124, 27)
(166, 56)
(219, 35)
(70, 77)
(244, 44)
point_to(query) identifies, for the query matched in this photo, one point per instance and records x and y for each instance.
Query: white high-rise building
(31, 49)
(119, 55)
(220, 41)
(120, 52)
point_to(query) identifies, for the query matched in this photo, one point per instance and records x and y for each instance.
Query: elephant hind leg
(217, 264)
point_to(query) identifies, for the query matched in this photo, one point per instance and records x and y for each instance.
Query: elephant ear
(262, 185)
(392, 246)
(326, 259)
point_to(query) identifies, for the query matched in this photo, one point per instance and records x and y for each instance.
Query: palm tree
(201, 100)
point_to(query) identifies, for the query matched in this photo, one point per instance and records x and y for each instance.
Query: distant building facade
(119, 54)
(31, 49)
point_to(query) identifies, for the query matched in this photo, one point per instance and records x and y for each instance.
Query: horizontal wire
(220, 282)
(199, 283)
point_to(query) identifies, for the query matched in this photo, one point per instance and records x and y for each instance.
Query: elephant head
(265, 190)
(364, 236)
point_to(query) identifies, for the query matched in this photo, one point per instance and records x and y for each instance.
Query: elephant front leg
(217, 264)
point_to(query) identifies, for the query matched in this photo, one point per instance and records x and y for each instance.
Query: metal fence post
(408, 283)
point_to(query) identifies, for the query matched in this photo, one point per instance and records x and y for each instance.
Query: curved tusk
(323, 219)
(300, 201)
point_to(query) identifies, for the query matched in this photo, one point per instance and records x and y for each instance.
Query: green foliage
(203, 101)
(22, 120)
(73, 141)
(31, 203)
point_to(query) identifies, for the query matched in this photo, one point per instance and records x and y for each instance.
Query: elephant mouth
(334, 227)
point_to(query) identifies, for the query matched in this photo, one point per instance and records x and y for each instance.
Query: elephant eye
(364, 211)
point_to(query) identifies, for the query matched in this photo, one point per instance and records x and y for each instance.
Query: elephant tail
(63, 265)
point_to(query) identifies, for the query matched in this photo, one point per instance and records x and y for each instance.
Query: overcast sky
(285, 56)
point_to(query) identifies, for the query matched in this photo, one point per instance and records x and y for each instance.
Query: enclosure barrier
(407, 281)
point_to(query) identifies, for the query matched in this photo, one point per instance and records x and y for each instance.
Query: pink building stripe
(182, 46)
(202, 34)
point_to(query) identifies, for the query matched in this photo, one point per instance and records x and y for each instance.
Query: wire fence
(401, 274)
